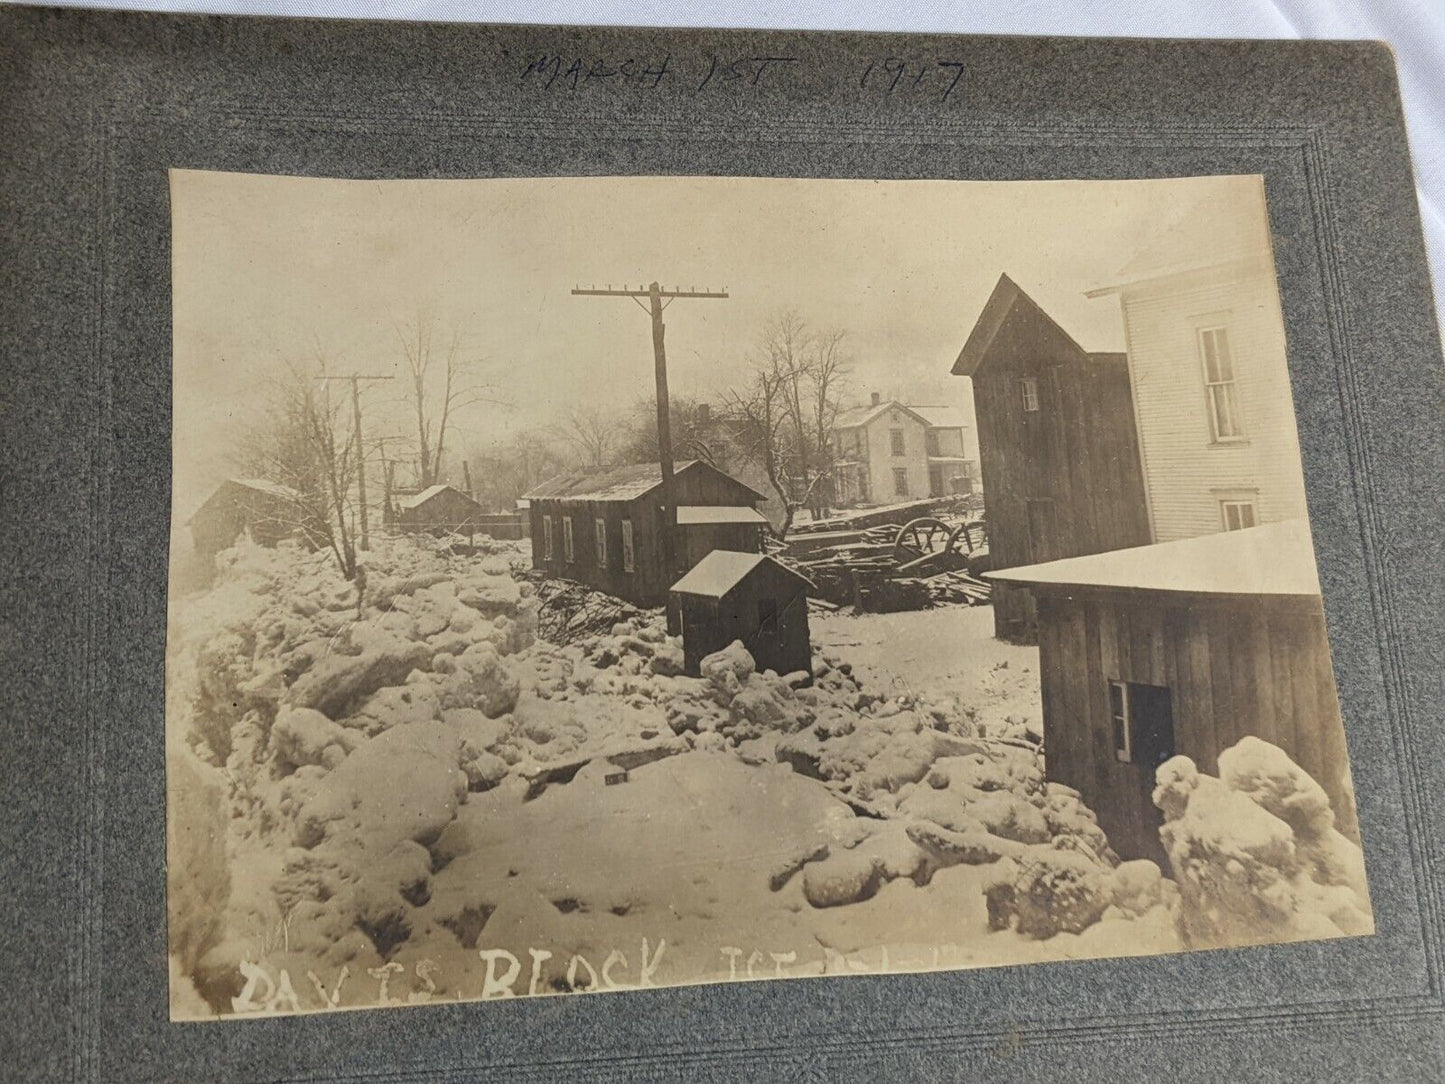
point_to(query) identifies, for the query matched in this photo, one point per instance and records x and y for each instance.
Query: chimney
(877, 398)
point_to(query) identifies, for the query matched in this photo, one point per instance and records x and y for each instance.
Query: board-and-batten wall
(1234, 667)
(1187, 472)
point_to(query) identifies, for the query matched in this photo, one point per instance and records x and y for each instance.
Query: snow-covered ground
(412, 799)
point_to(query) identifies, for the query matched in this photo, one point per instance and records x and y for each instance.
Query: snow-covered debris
(1255, 852)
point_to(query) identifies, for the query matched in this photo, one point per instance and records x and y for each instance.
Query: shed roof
(618, 484)
(722, 570)
(416, 500)
(694, 514)
(265, 485)
(1275, 559)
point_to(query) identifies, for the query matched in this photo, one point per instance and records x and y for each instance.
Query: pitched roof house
(887, 452)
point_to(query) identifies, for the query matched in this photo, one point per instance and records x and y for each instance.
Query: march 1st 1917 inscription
(832, 578)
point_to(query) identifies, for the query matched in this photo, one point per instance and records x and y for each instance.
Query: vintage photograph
(594, 584)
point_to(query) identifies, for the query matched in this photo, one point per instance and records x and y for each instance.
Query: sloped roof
(856, 416)
(416, 500)
(1275, 559)
(1212, 232)
(942, 417)
(1012, 326)
(264, 485)
(722, 570)
(618, 484)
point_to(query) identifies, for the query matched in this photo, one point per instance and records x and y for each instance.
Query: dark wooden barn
(605, 529)
(267, 510)
(1059, 455)
(439, 509)
(749, 597)
(1183, 647)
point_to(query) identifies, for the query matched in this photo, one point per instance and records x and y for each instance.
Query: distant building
(605, 529)
(1183, 647)
(266, 510)
(1060, 462)
(1210, 378)
(440, 510)
(749, 597)
(888, 452)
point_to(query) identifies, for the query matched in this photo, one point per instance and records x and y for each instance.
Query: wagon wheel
(920, 538)
(960, 541)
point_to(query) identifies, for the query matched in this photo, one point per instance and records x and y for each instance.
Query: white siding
(882, 461)
(1186, 471)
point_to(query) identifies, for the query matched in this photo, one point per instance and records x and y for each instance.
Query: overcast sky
(267, 269)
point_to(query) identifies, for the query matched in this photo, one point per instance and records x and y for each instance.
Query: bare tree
(593, 434)
(440, 382)
(786, 412)
(304, 443)
(697, 432)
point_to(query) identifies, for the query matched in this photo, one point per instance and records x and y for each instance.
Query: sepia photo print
(596, 584)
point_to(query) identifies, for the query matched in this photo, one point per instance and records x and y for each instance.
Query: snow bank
(1255, 852)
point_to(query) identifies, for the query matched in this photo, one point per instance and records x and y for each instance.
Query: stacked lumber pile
(863, 573)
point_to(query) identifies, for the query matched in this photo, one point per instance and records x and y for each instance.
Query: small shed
(605, 529)
(267, 510)
(730, 596)
(440, 509)
(1183, 647)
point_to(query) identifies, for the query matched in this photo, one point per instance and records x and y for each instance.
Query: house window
(900, 481)
(895, 436)
(1237, 515)
(1029, 387)
(600, 526)
(629, 560)
(930, 442)
(568, 553)
(546, 538)
(1225, 422)
(1142, 719)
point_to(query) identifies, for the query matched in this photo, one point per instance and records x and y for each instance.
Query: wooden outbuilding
(1183, 647)
(731, 596)
(605, 529)
(439, 509)
(1058, 452)
(267, 510)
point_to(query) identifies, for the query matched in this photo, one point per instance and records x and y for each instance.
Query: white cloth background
(1414, 28)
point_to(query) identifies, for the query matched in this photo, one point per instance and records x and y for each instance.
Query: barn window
(629, 559)
(568, 553)
(1237, 515)
(546, 538)
(1225, 422)
(1029, 387)
(900, 481)
(1142, 719)
(600, 525)
(895, 436)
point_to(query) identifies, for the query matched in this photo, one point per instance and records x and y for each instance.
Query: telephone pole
(356, 379)
(657, 300)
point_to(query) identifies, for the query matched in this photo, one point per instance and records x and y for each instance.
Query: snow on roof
(692, 514)
(722, 570)
(941, 417)
(856, 416)
(1276, 559)
(264, 485)
(618, 484)
(1208, 233)
(420, 498)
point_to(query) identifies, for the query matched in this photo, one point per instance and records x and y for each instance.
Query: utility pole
(356, 379)
(657, 300)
